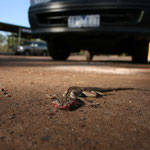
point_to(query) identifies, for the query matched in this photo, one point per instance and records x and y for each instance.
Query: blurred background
(13, 13)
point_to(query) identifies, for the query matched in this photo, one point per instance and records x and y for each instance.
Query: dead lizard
(73, 97)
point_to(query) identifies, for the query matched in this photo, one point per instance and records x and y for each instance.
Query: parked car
(101, 26)
(32, 48)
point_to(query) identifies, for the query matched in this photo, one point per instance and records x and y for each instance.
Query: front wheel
(58, 50)
(27, 53)
(44, 53)
(140, 51)
(17, 53)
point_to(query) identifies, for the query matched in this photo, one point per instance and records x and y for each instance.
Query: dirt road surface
(29, 121)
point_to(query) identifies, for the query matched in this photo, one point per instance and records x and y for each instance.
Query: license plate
(84, 21)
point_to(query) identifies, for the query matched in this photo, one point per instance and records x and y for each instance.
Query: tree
(2, 39)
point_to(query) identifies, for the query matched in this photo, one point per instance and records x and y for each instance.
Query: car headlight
(34, 2)
(20, 48)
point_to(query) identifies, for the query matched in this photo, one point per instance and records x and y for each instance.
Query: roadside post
(19, 36)
(149, 53)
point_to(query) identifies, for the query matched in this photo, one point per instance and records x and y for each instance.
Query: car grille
(108, 17)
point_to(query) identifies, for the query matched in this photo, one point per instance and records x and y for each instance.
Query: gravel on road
(28, 120)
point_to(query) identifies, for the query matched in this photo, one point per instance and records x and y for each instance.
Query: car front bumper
(116, 17)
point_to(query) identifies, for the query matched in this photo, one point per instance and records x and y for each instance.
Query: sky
(14, 12)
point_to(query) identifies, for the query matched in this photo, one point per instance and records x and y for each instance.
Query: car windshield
(27, 43)
(40, 43)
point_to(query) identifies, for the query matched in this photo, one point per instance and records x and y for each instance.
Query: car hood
(25, 46)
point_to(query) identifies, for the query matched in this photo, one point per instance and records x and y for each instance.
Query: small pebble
(7, 95)
(82, 125)
(11, 132)
(2, 90)
(2, 137)
(12, 116)
(51, 96)
(45, 138)
(33, 143)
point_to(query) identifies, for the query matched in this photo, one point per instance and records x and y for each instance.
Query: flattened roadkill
(75, 97)
(96, 106)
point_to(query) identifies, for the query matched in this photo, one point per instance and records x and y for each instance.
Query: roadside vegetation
(10, 40)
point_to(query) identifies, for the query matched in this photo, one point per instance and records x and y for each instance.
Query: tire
(44, 53)
(58, 50)
(27, 53)
(140, 52)
(16, 53)
(88, 55)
